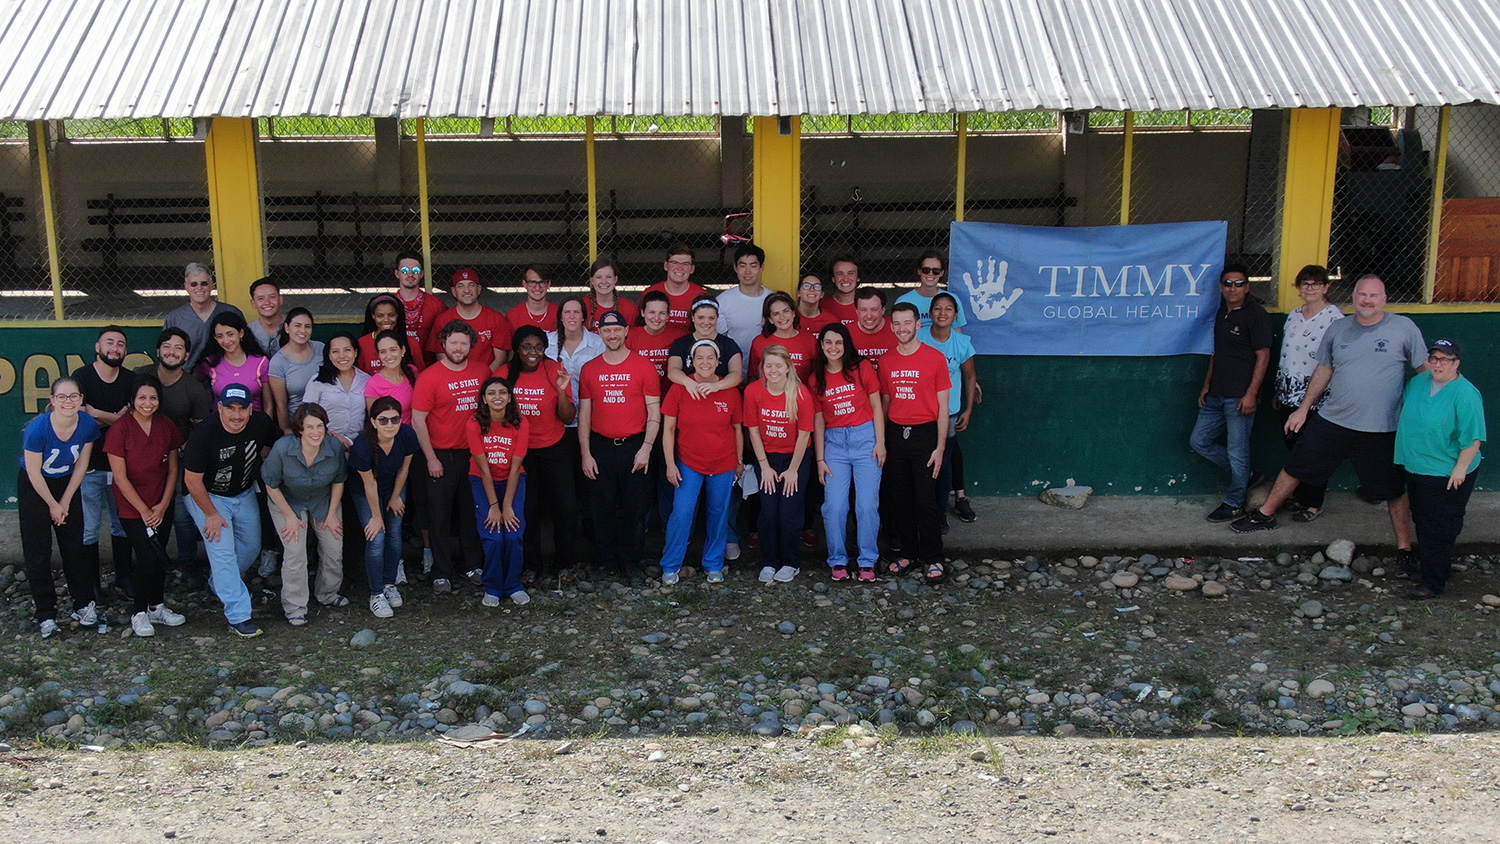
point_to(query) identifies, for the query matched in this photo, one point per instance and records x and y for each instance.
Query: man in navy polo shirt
(1231, 388)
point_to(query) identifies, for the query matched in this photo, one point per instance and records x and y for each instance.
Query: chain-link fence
(1468, 259)
(25, 287)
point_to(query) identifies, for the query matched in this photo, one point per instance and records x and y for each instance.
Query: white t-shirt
(740, 315)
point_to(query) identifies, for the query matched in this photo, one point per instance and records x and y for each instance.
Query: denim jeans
(719, 488)
(1217, 416)
(98, 497)
(850, 456)
(504, 552)
(235, 552)
(383, 553)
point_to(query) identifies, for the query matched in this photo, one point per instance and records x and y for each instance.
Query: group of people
(1343, 393)
(467, 429)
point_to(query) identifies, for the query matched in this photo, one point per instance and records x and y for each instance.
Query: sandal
(900, 566)
(1307, 515)
(337, 602)
(528, 577)
(935, 572)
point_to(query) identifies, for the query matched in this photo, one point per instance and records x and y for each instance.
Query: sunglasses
(200, 284)
(1234, 283)
(410, 270)
(931, 270)
(387, 420)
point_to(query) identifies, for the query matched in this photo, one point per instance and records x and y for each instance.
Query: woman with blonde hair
(779, 414)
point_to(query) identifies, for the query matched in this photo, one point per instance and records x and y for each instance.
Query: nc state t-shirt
(617, 394)
(536, 395)
(491, 325)
(705, 428)
(449, 399)
(803, 348)
(846, 402)
(519, 316)
(815, 325)
(873, 346)
(421, 313)
(768, 413)
(626, 308)
(655, 348)
(369, 359)
(843, 313)
(503, 447)
(911, 384)
(680, 314)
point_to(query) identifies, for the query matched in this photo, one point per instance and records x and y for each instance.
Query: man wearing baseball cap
(221, 465)
(493, 346)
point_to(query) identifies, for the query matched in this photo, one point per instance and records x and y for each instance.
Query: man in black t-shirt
(221, 464)
(106, 386)
(1231, 388)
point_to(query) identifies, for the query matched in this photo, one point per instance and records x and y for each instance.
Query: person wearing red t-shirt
(420, 308)
(810, 313)
(702, 441)
(142, 449)
(497, 435)
(619, 418)
(544, 392)
(384, 313)
(849, 441)
(443, 401)
(915, 383)
(841, 305)
(872, 333)
(535, 309)
(490, 326)
(781, 326)
(603, 296)
(653, 340)
(681, 291)
(779, 413)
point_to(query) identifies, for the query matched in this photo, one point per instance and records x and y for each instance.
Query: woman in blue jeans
(382, 456)
(849, 442)
(702, 439)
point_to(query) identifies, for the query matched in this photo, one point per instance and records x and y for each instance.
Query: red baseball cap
(466, 274)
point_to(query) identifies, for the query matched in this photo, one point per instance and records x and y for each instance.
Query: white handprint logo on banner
(987, 297)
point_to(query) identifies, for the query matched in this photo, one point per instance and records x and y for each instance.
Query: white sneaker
(268, 563)
(141, 624)
(731, 551)
(716, 577)
(393, 597)
(520, 597)
(162, 614)
(400, 573)
(86, 616)
(49, 628)
(669, 578)
(380, 607)
(786, 573)
(476, 577)
(427, 561)
(491, 600)
(767, 574)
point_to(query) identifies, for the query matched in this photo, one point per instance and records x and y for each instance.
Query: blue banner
(1110, 290)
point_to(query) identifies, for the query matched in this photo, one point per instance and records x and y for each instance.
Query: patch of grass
(112, 713)
(1368, 722)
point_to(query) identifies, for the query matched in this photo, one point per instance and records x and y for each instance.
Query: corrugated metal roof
(493, 58)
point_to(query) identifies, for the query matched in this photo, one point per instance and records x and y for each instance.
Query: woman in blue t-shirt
(382, 457)
(55, 451)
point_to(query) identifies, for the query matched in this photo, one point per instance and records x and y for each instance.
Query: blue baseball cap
(235, 394)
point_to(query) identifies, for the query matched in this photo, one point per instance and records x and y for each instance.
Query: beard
(171, 367)
(112, 363)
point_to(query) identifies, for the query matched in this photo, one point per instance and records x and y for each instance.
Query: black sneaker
(963, 510)
(1420, 593)
(1256, 476)
(246, 629)
(1407, 567)
(1253, 521)
(1225, 513)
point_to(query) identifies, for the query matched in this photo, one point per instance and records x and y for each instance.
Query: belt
(620, 440)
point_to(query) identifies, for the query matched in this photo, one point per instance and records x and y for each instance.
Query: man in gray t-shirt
(1363, 364)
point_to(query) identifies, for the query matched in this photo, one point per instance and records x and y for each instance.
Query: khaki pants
(294, 565)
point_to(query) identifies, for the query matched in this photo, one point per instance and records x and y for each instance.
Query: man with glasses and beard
(107, 390)
(200, 309)
(186, 402)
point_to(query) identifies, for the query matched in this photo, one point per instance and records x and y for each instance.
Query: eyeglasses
(811, 285)
(387, 420)
(1440, 359)
(536, 281)
(680, 263)
(68, 397)
(1233, 283)
(410, 270)
(1312, 284)
(931, 270)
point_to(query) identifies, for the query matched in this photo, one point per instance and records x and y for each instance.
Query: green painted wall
(1120, 425)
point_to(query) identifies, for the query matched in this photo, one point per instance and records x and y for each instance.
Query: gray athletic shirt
(1369, 370)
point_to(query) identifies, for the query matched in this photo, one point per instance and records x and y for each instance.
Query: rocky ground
(1099, 646)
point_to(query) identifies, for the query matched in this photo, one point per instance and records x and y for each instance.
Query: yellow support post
(1312, 154)
(593, 176)
(424, 204)
(1435, 222)
(1127, 166)
(963, 167)
(234, 208)
(49, 216)
(776, 199)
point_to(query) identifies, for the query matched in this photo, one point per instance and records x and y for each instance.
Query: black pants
(550, 494)
(958, 463)
(450, 514)
(37, 531)
(1437, 512)
(782, 516)
(1306, 494)
(150, 573)
(910, 491)
(618, 489)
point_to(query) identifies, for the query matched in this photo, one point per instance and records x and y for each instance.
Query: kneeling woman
(701, 441)
(498, 435)
(779, 413)
(304, 477)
